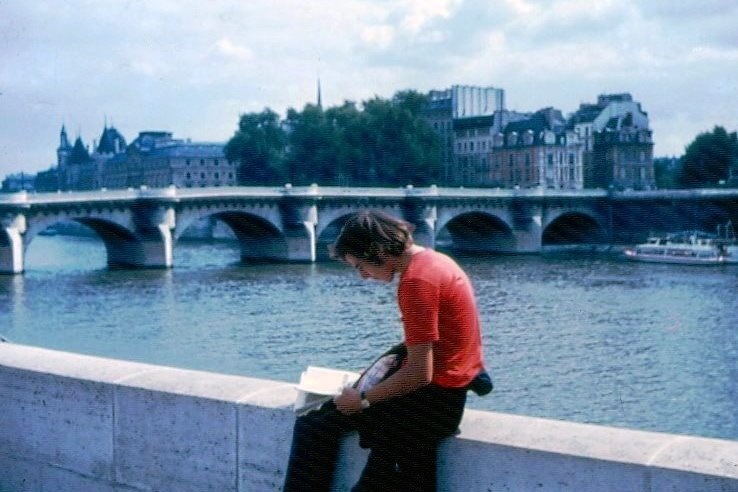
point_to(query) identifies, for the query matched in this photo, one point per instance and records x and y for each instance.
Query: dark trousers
(403, 434)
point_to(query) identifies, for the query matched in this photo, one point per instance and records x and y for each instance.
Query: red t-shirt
(437, 305)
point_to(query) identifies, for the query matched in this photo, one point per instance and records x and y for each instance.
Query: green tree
(398, 147)
(385, 143)
(708, 158)
(313, 145)
(259, 147)
(666, 171)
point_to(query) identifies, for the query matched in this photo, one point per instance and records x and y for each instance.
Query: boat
(688, 248)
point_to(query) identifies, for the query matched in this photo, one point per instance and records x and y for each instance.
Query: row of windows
(203, 162)
(203, 175)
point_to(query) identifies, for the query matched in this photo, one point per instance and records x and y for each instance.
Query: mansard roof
(474, 122)
(192, 150)
(543, 119)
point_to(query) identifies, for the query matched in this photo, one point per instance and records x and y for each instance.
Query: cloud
(230, 50)
(192, 67)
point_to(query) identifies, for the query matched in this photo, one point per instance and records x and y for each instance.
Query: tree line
(378, 143)
(386, 142)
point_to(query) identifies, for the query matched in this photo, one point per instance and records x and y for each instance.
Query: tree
(259, 147)
(385, 143)
(708, 159)
(313, 147)
(665, 171)
(397, 146)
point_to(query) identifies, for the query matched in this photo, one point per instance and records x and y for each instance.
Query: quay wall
(70, 422)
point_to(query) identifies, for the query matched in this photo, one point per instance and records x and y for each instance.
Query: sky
(192, 67)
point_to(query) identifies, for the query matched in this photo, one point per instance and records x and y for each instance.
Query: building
(473, 140)
(153, 159)
(618, 144)
(18, 182)
(539, 151)
(156, 159)
(77, 168)
(446, 107)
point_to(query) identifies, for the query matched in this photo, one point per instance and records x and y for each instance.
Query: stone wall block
(166, 441)
(62, 421)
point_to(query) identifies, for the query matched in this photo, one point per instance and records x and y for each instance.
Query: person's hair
(368, 233)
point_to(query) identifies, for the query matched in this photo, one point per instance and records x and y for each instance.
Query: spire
(320, 99)
(63, 140)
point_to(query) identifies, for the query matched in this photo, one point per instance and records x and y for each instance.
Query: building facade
(603, 144)
(618, 144)
(153, 159)
(156, 159)
(445, 109)
(538, 151)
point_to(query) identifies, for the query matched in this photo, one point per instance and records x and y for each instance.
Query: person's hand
(348, 402)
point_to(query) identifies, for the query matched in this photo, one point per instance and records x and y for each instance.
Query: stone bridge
(141, 226)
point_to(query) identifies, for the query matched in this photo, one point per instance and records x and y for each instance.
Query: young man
(403, 418)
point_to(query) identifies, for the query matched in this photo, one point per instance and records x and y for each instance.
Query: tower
(64, 150)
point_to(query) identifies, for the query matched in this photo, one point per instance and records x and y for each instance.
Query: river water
(589, 339)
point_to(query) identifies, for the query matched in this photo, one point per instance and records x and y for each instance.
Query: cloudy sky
(192, 67)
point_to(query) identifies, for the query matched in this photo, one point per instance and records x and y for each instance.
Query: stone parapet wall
(70, 422)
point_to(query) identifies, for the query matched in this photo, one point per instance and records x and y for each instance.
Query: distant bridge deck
(140, 226)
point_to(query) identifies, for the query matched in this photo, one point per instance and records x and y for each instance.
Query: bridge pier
(528, 240)
(150, 250)
(301, 242)
(14, 227)
(527, 227)
(298, 223)
(423, 216)
(151, 245)
(11, 251)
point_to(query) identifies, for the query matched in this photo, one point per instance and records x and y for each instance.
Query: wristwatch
(364, 402)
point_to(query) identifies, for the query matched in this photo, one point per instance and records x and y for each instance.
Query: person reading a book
(402, 418)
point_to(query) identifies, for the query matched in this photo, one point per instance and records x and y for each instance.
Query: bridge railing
(174, 193)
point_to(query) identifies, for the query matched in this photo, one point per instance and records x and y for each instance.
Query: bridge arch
(572, 229)
(258, 229)
(327, 235)
(476, 232)
(124, 248)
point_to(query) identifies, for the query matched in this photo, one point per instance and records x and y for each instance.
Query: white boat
(686, 248)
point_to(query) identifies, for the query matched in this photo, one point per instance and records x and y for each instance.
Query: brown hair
(368, 233)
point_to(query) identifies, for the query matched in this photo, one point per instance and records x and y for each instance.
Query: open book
(319, 385)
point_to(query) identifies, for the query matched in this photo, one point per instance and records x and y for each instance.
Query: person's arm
(414, 374)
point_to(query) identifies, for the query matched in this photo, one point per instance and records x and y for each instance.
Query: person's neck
(404, 259)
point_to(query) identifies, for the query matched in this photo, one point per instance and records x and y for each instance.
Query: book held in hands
(319, 385)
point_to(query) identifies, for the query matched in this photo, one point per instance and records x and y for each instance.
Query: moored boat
(686, 248)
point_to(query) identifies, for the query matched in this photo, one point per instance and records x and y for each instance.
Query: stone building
(618, 144)
(448, 107)
(472, 143)
(77, 168)
(153, 159)
(538, 151)
(156, 159)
